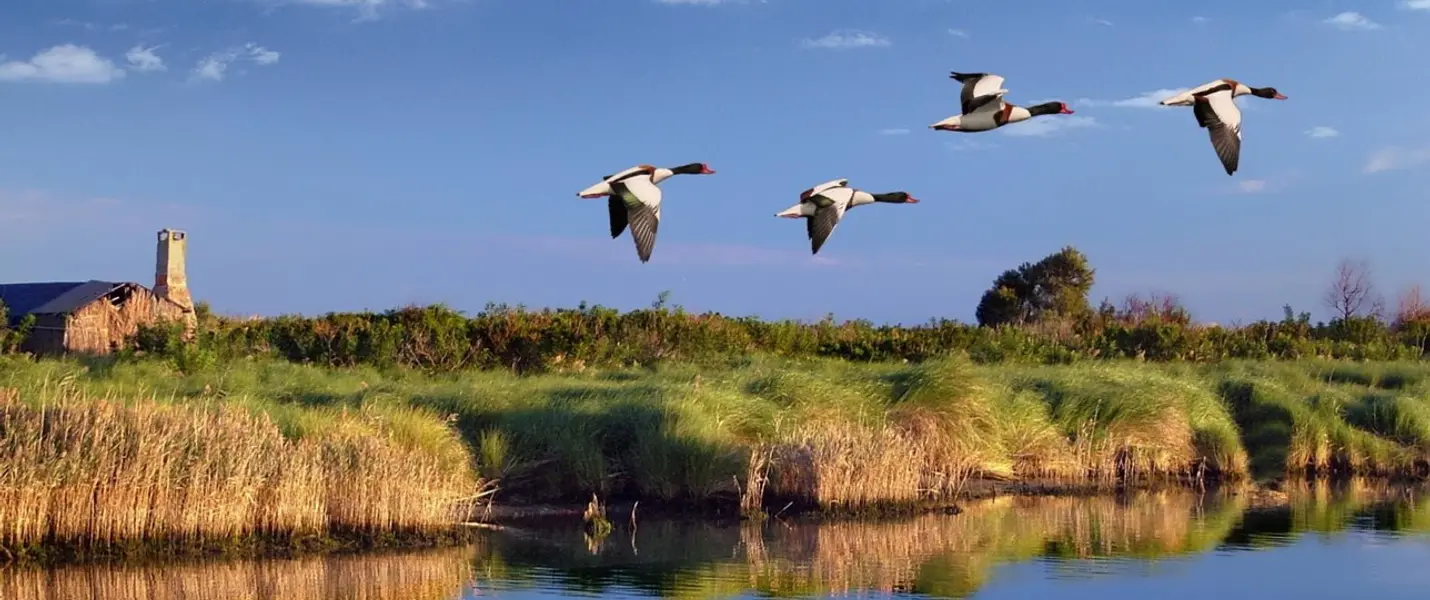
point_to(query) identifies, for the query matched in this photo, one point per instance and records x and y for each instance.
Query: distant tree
(1412, 307)
(1352, 293)
(1054, 287)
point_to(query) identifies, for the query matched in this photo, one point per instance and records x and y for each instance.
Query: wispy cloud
(957, 33)
(1200, 19)
(700, 2)
(1352, 21)
(1099, 21)
(1416, 4)
(847, 38)
(1322, 131)
(1145, 100)
(1392, 158)
(144, 59)
(214, 67)
(66, 63)
(894, 131)
(91, 26)
(1049, 125)
(969, 145)
(366, 9)
(1251, 186)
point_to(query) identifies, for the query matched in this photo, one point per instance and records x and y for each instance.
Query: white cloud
(1416, 4)
(1251, 186)
(1200, 19)
(1322, 131)
(894, 131)
(66, 63)
(366, 9)
(1351, 20)
(263, 56)
(1047, 125)
(957, 32)
(1394, 157)
(1145, 100)
(967, 144)
(93, 26)
(144, 59)
(1099, 21)
(214, 67)
(847, 38)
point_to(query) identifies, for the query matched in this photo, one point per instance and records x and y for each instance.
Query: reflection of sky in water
(1349, 565)
(1355, 565)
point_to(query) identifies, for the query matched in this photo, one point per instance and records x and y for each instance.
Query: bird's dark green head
(1267, 92)
(896, 198)
(693, 169)
(1050, 108)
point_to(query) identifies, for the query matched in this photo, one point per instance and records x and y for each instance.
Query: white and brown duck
(1212, 104)
(634, 199)
(824, 205)
(982, 107)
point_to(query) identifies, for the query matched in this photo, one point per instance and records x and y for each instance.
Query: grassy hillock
(768, 429)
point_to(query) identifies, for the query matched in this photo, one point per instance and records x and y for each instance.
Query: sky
(334, 155)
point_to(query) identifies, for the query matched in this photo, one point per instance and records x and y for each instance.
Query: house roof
(50, 298)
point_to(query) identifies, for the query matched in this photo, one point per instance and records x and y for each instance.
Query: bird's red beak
(912, 200)
(1065, 110)
(1280, 96)
(706, 170)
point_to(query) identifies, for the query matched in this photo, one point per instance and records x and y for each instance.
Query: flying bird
(633, 197)
(1216, 112)
(824, 205)
(982, 107)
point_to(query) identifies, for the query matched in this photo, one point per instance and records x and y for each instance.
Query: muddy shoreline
(517, 513)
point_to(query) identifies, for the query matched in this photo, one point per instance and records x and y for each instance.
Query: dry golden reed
(432, 575)
(96, 472)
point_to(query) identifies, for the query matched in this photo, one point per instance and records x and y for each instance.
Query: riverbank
(384, 451)
(85, 475)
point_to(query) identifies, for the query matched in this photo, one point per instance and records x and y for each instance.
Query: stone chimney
(170, 282)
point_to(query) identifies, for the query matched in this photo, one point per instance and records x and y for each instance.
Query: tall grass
(98, 472)
(771, 431)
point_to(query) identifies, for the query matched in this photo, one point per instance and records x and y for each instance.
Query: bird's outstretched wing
(978, 89)
(1222, 119)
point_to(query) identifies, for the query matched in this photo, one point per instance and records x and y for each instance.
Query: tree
(1412, 307)
(1352, 291)
(1054, 287)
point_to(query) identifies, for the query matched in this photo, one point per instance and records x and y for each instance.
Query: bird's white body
(635, 178)
(1188, 97)
(992, 115)
(840, 198)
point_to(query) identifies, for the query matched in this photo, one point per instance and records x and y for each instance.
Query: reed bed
(430, 575)
(824, 433)
(97, 472)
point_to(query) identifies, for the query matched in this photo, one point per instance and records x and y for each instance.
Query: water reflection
(433, 575)
(1005, 547)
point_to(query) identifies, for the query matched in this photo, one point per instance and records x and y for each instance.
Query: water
(1361, 541)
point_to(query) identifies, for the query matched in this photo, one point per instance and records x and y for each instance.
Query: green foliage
(12, 337)
(1055, 286)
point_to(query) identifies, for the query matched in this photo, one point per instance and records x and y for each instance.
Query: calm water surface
(1345, 542)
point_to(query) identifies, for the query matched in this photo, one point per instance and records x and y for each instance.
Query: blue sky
(351, 154)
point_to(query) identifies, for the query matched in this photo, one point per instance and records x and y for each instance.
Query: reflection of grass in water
(949, 556)
(435, 575)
